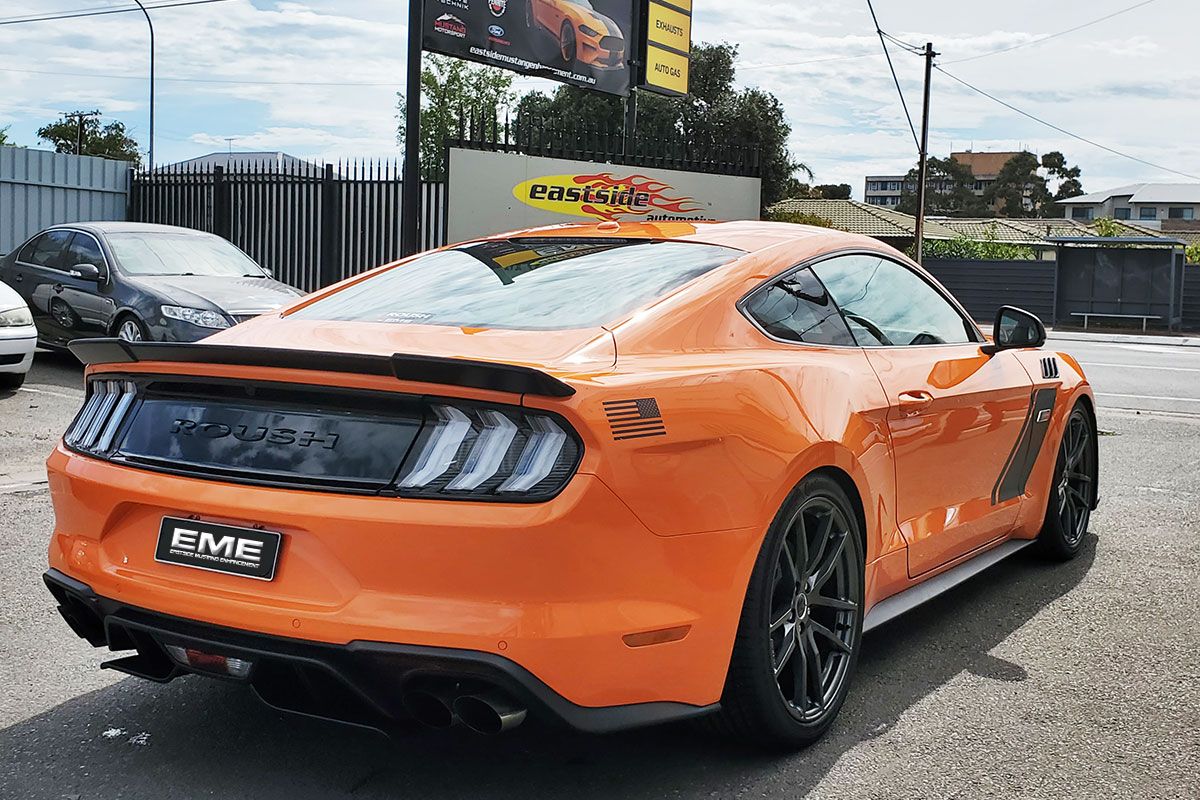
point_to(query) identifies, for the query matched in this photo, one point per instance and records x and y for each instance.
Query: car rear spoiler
(423, 369)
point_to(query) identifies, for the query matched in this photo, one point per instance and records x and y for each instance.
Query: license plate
(248, 552)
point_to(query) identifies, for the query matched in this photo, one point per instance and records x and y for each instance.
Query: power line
(883, 41)
(1064, 131)
(99, 12)
(1048, 37)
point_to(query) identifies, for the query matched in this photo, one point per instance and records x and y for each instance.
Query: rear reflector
(656, 637)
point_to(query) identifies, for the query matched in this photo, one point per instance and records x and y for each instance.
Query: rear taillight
(490, 452)
(104, 412)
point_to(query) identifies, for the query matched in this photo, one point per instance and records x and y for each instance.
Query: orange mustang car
(608, 475)
(584, 35)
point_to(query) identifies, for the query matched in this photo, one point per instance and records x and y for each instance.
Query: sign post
(668, 47)
(410, 193)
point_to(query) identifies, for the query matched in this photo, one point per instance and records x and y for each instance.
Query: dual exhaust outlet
(488, 711)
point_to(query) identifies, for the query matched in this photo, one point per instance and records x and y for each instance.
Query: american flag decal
(634, 419)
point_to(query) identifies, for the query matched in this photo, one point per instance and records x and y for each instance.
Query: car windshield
(153, 253)
(525, 283)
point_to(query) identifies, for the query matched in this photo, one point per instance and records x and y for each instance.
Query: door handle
(914, 402)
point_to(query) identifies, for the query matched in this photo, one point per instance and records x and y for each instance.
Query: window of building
(1081, 212)
(1148, 212)
(1122, 213)
(1181, 213)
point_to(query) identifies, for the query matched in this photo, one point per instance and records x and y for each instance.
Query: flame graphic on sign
(655, 190)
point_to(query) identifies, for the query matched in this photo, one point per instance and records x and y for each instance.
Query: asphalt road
(1033, 680)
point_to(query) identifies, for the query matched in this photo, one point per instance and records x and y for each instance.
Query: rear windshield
(529, 284)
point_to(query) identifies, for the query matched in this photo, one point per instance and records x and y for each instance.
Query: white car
(18, 338)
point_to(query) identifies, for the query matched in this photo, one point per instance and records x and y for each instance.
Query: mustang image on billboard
(581, 42)
(601, 475)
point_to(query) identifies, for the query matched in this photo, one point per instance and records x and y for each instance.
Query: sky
(318, 78)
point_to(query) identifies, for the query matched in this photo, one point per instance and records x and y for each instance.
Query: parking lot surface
(1032, 680)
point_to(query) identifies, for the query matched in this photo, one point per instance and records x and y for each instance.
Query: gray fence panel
(984, 286)
(39, 188)
(1191, 297)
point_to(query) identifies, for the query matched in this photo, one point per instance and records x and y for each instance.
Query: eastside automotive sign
(585, 43)
(491, 192)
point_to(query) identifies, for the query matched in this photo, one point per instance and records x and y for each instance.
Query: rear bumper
(360, 683)
(553, 587)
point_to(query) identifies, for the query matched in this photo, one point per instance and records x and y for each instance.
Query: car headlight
(16, 318)
(586, 31)
(476, 452)
(196, 316)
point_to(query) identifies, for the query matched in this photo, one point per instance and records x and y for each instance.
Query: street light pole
(923, 166)
(151, 24)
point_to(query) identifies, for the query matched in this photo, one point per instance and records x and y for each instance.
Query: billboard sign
(491, 192)
(668, 46)
(581, 42)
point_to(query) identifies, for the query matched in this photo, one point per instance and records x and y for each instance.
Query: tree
(1069, 185)
(450, 89)
(109, 141)
(1019, 190)
(1193, 253)
(950, 190)
(4, 140)
(714, 111)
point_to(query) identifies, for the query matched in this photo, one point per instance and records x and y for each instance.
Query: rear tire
(1073, 489)
(800, 632)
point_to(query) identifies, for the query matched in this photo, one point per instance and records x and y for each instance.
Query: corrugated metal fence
(984, 286)
(39, 188)
(1191, 297)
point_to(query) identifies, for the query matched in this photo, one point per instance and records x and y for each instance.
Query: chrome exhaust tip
(490, 712)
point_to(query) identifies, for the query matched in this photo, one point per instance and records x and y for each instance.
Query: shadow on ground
(208, 738)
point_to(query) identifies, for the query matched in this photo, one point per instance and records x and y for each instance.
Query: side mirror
(1015, 328)
(88, 272)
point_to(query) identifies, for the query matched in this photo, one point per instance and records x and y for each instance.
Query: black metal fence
(585, 141)
(984, 286)
(312, 224)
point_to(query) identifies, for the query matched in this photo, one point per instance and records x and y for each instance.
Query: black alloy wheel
(1073, 491)
(801, 627)
(815, 605)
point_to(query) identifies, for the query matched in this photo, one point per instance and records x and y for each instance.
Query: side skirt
(889, 608)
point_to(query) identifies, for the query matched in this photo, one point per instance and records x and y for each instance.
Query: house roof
(982, 164)
(1188, 193)
(242, 158)
(855, 217)
(1013, 231)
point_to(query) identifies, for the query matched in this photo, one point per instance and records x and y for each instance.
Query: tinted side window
(886, 303)
(45, 250)
(798, 309)
(83, 250)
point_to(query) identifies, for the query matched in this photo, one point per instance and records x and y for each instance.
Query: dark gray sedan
(137, 281)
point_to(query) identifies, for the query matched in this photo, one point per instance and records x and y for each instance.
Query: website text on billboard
(581, 42)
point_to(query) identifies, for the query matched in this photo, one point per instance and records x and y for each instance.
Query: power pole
(79, 117)
(923, 166)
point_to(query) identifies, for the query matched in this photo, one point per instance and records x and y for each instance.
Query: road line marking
(1139, 366)
(1149, 397)
(17, 488)
(78, 396)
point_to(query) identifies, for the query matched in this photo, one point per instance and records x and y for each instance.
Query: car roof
(116, 226)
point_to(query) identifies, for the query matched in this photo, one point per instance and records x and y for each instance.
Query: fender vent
(634, 419)
(1050, 368)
